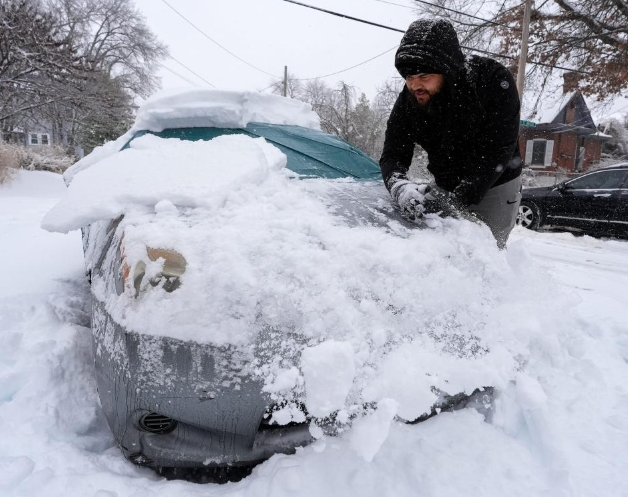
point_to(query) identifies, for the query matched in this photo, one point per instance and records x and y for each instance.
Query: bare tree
(39, 65)
(120, 54)
(386, 96)
(318, 94)
(294, 87)
(367, 126)
(617, 146)
(359, 123)
(104, 112)
(473, 20)
(75, 66)
(385, 99)
(113, 39)
(588, 36)
(333, 106)
(341, 111)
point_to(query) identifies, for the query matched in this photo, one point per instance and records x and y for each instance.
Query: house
(29, 135)
(34, 134)
(569, 142)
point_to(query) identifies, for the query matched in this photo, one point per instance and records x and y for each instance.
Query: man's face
(424, 86)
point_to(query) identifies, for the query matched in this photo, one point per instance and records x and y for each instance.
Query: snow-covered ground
(560, 429)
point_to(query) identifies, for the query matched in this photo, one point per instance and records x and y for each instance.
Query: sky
(271, 34)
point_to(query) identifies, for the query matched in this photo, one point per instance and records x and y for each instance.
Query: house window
(34, 140)
(539, 152)
(44, 139)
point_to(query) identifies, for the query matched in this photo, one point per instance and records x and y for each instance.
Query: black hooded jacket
(469, 129)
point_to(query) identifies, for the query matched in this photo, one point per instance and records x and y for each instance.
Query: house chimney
(570, 82)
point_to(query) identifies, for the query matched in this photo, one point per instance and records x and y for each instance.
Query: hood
(535, 192)
(430, 46)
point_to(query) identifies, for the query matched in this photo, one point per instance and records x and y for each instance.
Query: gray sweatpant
(499, 208)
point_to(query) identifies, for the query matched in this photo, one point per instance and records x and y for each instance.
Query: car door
(588, 202)
(618, 222)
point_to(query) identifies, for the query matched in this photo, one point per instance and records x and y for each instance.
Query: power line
(349, 68)
(385, 27)
(462, 46)
(264, 89)
(195, 74)
(344, 16)
(215, 42)
(177, 74)
(445, 8)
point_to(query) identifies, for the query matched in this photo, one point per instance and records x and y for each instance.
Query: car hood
(537, 192)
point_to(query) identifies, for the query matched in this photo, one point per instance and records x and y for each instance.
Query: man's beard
(425, 97)
(435, 103)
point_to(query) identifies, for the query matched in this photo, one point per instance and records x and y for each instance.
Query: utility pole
(285, 81)
(523, 56)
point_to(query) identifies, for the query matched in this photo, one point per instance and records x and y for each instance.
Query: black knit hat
(429, 47)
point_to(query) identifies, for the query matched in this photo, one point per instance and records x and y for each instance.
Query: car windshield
(310, 153)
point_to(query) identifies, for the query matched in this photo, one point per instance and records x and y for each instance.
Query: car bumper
(215, 404)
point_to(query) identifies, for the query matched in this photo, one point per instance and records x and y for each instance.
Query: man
(465, 115)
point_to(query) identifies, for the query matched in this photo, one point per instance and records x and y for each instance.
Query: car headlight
(173, 267)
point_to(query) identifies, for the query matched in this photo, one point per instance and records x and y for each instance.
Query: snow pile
(205, 108)
(328, 372)
(561, 428)
(187, 173)
(222, 109)
(347, 311)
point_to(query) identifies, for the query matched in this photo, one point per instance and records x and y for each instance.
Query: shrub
(529, 178)
(53, 159)
(13, 157)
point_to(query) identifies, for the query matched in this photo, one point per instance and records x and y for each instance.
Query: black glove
(467, 193)
(441, 202)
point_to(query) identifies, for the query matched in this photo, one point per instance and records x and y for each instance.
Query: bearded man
(464, 112)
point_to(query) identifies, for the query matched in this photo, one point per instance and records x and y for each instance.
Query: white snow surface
(381, 311)
(328, 370)
(204, 108)
(552, 310)
(221, 109)
(152, 169)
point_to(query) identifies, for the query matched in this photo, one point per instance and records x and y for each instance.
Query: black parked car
(595, 203)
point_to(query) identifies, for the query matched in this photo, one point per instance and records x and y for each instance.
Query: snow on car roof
(205, 108)
(222, 109)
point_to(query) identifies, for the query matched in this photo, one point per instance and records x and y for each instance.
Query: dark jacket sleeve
(398, 141)
(497, 141)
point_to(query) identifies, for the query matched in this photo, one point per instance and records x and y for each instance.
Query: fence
(550, 178)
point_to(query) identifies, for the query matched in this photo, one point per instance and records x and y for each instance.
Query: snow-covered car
(254, 289)
(595, 203)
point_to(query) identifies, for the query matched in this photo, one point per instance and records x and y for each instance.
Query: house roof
(582, 115)
(578, 122)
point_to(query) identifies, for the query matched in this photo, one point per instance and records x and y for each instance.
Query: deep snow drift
(561, 429)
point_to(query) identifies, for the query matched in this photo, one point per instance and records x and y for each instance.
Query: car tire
(529, 215)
